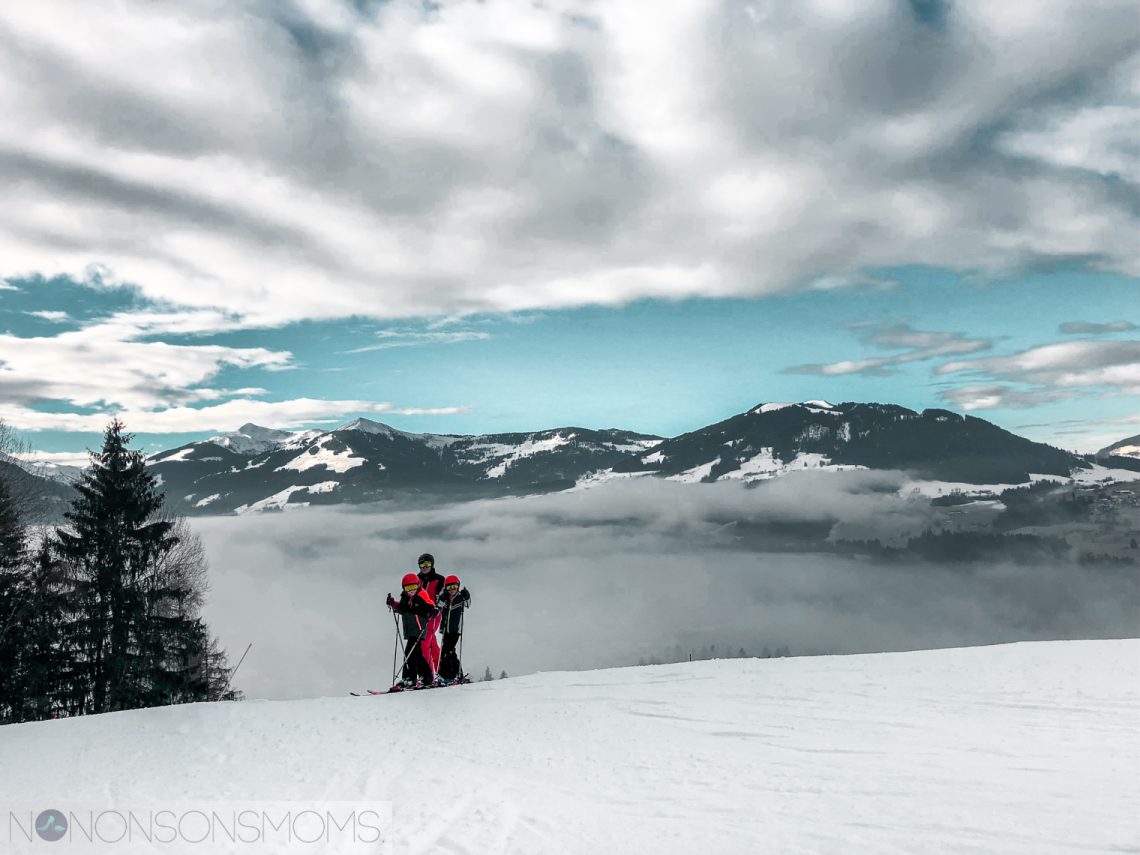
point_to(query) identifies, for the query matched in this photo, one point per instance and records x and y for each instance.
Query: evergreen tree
(502, 675)
(13, 596)
(135, 628)
(46, 661)
(487, 675)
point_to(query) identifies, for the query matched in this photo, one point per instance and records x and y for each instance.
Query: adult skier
(452, 603)
(432, 583)
(417, 610)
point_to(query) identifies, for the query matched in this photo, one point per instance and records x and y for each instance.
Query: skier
(417, 610)
(452, 602)
(432, 583)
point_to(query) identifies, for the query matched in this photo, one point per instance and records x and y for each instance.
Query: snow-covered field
(1025, 748)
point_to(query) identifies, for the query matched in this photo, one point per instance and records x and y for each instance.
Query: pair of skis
(418, 688)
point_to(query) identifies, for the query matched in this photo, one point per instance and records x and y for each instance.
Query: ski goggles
(425, 564)
(453, 587)
(410, 588)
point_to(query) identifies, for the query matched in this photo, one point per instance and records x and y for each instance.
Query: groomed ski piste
(1025, 748)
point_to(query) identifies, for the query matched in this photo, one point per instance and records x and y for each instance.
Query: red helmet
(451, 580)
(410, 579)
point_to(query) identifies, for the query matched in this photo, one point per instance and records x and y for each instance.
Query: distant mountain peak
(251, 439)
(771, 407)
(251, 430)
(369, 426)
(1129, 447)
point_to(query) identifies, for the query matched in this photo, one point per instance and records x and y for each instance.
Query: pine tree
(134, 626)
(46, 667)
(502, 675)
(487, 675)
(13, 596)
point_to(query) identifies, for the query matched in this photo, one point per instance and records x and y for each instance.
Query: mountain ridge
(258, 468)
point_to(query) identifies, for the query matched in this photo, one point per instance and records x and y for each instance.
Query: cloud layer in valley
(609, 576)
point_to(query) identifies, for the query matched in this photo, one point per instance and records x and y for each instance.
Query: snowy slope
(1129, 447)
(1025, 748)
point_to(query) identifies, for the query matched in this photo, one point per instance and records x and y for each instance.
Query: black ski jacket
(415, 610)
(451, 609)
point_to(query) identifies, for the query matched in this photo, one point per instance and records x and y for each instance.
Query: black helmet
(426, 557)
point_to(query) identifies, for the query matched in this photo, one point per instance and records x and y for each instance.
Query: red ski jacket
(431, 582)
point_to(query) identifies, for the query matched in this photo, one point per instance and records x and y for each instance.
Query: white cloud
(105, 364)
(1086, 328)
(1112, 366)
(916, 346)
(217, 417)
(280, 163)
(1048, 374)
(408, 338)
(993, 396)
(54, 317)
(57, 458)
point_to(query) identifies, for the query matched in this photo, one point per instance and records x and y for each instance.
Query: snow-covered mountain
(1025, 749)
(775, 438)
(257, 468)
(1124, 453)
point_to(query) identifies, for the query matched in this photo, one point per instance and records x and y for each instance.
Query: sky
(469, 217)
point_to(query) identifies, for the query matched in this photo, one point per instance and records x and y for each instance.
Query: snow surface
(335, 461)
(1126, 451)
(1097, 473)
(1094, 475)
(179, 456)
(810, 406)
(696, 474)
(1023, 749)
(509, 454)
(282, 500)
(764, 465)
(604, 476)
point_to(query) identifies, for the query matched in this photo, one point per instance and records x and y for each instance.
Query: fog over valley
(629, 572)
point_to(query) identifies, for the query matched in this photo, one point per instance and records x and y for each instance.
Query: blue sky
(479, 217)
(653, 366)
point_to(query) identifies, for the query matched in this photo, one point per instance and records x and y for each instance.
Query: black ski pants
(415, 663)
(449, 665)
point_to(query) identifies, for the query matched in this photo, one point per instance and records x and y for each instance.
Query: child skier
(452, 602)
(417, 610)
(432, 584)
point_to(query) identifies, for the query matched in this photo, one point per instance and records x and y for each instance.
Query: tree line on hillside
(677, 653)
(102, 613)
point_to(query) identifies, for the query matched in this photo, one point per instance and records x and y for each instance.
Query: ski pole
(222, 694)
(396, 647)
(408, 655)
